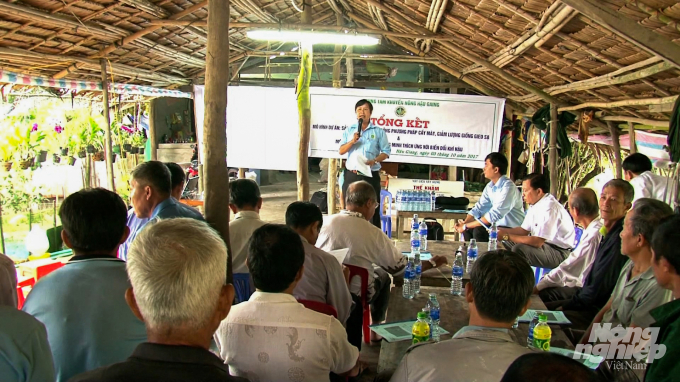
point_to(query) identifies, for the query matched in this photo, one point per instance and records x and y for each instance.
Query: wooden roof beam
(630, 30)
(162, 13)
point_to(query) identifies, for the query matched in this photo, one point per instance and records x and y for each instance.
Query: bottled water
(532, 325)
(542, 333)
(399, 199)
(433, 307)
(415, 237)
(421, 330)
(457, 274)
(493, 237)
(418, 201)
(429, 320)
(471, 255)
(409, 272)
(422, 232)
(424, 201)
(418, 269)
(409, 201)
(433, 201)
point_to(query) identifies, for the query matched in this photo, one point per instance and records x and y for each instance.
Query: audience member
(82, 304)
(548, 367)
(151, 197)
(177, 269)
(8, 282)
(25, 354)
(323, 279)
(637, 169)
(498, 292)
(585, 303)
(500, 203)
(272, 336)
(245, 202)
(368, 246)
(547, 233)
(666, 265)
(561, 282)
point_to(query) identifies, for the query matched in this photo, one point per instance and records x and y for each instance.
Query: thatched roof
(510, 48)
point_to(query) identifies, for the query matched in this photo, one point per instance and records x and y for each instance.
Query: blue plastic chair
(243, 286)
(540, 272)
(386, 221)
(579, 233)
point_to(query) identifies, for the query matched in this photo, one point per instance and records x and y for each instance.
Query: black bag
(435, 231)
(451, 203)
(320, 198)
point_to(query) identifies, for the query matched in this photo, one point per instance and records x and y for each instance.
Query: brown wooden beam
(552, 150)
(631, 138)
(107, 129)
(614, 131)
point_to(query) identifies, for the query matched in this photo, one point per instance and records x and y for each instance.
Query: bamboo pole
(304, 109)
(358, 56)
(614, 131)
(153, 130)
(642, 121)
(333, 163)
(552, 150)
(241, 173)
(107, 129)
(631, 138)
(629, 102)
(215, 174)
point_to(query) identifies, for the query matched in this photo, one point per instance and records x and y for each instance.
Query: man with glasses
(368, 246)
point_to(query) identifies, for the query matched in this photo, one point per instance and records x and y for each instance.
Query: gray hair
(628, 190)
(177, 268)
(647, 216)
(359, 193)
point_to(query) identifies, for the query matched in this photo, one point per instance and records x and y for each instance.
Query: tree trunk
(614, 131)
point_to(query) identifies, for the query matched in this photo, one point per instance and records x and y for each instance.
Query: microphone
(361, 123)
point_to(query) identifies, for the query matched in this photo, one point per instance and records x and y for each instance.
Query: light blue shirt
(373, 142)
(167, 209)
(501, 203)
(24, 351)
(88, 322)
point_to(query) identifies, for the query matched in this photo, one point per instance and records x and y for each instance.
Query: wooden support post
(614, 131)
(453, 173)
(215, 135)
(333, 163)
(349, 63)
(631, 137)
(552, 150)
(508, 153)
(304, 108)
(241, 173)
(153, 137)
(107, 129)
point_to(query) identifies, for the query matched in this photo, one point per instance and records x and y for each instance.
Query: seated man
(8, 282)
(637, 169)
(666, 265)
(368, 246)
(272, 337)
(548, 367)
(82, 304)
(498, 292)
(245, 202)
(178, 270)
(25, 354)
(151, 197)
(598, 285)
(500, 203)
(547, 234)
(323, 280)
(561, 282)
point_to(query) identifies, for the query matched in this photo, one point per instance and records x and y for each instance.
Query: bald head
(584, 202)
(359, 194)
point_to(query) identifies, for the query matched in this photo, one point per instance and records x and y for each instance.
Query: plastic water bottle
(425, 200)
(433, 201)
(408, 201)
(415, 236)
(416, 201)
(398, 200)
(532, 325)
(422, 232)
(433, 307)
(457, 274)
(493, 237)
(418, 269)
(471, 255)
(542, 333)
(409, 273)
(429, 320)
(421, 330)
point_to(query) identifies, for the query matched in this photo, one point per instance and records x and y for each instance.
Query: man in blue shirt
(24, 351)
(501, 202)
(152, 198)
(82, 304)
(370, 146)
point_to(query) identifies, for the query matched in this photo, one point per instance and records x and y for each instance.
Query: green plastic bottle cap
(433, 295)
(542, 318)
(422, 315)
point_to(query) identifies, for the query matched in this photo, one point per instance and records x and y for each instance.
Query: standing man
(501, 202)
(547, 234)
(637, 169)
(370, 145)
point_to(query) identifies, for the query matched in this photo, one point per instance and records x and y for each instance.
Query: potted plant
(6, 154)
(26, 140)
(56, 158)
(138, 142)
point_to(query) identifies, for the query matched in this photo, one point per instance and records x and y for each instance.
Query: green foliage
(16, 192)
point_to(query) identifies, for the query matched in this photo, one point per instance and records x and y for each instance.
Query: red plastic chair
(320, 307)
(21, 297)
(46, 269)
(363, 274)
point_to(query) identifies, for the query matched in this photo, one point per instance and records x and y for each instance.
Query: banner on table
(426, 128)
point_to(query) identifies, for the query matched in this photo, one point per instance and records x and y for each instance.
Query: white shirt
(574, 269)
(323, 281)
(547, 219)
(649, 185)
(272, 337)
(240, 231)
(367, 244)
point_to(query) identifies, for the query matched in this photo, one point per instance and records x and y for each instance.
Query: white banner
(427, 128)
